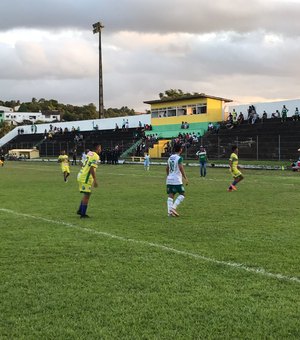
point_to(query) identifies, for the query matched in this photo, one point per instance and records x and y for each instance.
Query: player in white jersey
(175, 173)
(147, 162)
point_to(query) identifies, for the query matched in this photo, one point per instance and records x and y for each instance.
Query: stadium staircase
(130, 150)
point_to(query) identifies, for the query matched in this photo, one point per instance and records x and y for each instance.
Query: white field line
(235, 265)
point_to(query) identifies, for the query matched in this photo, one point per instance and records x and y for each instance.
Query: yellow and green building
(197, 110)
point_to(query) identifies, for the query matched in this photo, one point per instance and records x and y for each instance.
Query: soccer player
(63, 159)
(2, 159)
(175, 172)
(202, 160)
(234, 169)
(147, 162)
(87, 178)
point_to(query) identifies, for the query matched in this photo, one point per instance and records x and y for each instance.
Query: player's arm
(181, 168)
(93, 173)
(230, 164)
(167, 169)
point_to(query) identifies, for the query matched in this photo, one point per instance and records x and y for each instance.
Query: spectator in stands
(210, 126)
(116, 127)
(186, 125)
(254, 117)
(240, 119)
(234, 117)
(274, 115)
(277, 114)
(140, 125)
(296, 114)
(229, 122)
(264, 116)
(74, 157)
(123, 124)
(32, 128)
(182, 125)
(284, 112)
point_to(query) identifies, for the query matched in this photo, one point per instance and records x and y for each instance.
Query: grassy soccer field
(227, 268)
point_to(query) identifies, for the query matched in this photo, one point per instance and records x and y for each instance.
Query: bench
(137, 159)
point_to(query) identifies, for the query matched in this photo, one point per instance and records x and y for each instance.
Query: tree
(5, 127)
(175, 93)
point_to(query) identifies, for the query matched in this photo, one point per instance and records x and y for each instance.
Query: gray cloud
(193, 16)
(235, 49)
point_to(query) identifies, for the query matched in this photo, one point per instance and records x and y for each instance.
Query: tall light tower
(97, 29)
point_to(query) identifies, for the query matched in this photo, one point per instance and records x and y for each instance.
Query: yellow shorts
(65, 168)
(236, 173)
(85, 187)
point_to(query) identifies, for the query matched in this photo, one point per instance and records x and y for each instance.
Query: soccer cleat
(78, 212)
(84, 216)
(233, 187)
(229, 190)
(174, 212)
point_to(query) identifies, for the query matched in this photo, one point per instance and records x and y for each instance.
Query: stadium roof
(192, 96)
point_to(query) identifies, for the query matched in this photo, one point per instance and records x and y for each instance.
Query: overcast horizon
(245, 51)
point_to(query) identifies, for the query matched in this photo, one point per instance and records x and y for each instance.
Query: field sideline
(227, 268)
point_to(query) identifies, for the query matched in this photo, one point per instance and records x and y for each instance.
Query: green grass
(66, 278)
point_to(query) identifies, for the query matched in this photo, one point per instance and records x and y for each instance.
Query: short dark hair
(234, 147)
(95, 145)
(177, 147)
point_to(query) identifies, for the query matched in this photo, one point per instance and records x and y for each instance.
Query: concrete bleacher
(107, 138)
(52, 148)
(268, 140)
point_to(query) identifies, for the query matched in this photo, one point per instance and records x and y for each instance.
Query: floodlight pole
(97, 29)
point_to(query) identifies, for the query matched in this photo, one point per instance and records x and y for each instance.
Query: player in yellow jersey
(234, 169)
(87, 178)
(63, 159)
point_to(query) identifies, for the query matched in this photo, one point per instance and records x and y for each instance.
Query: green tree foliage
(67, 112)
(175, 93)
(123, 111)
(5, 127)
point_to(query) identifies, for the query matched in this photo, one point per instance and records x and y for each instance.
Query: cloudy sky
(238, 49)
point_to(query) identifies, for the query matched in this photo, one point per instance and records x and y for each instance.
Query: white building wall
(269, 107)
(19, 117)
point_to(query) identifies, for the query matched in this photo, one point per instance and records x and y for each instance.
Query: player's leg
(201, 169)
(83, 205)
(236, 180)
(170, 199)
(204, 169)
(179, 199)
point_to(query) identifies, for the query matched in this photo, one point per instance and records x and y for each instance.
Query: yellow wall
(214, 112)
(214, 109)
(178, 103)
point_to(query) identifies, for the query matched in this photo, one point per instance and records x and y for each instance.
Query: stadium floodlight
(97, 27)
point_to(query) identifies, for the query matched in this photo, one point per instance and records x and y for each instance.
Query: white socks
(174, 205)
(169, 204)
(178, 200)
